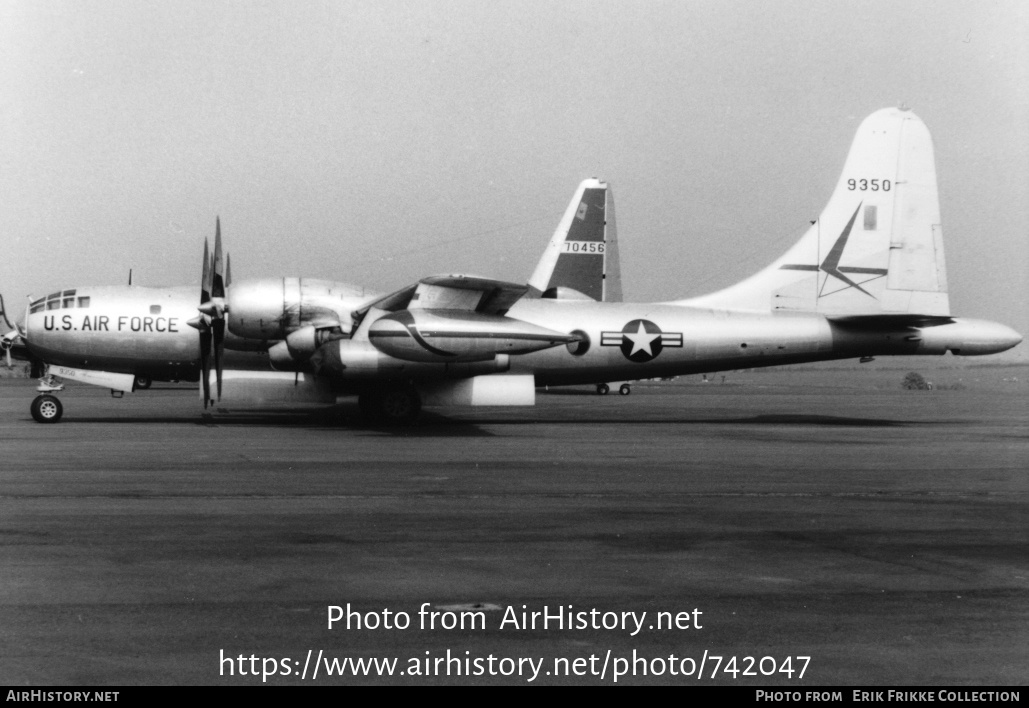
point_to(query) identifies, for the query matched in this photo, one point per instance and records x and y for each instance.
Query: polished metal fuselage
(677, 340)
(124, 329)
(127, 329)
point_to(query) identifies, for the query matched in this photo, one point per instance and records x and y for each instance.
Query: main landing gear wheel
(143, 382)
(624, 389)
(393, 407)
(47, 409)
(603, 389)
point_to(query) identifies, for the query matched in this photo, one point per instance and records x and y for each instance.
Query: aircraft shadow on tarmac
(440, 425)
(429, 425)
(772, 419)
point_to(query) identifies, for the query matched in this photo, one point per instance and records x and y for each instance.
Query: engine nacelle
(356, 360)
(274, 308)
(298, 347)
(280, 358)
(416, 335)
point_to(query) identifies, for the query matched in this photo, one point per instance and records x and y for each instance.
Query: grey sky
(376, 142)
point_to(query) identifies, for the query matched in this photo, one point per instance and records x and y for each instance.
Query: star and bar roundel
(641, 340)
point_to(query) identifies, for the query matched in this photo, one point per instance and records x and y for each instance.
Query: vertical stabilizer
(582, 257)
(877, 247)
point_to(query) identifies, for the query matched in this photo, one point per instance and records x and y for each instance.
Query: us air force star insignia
(641, 340)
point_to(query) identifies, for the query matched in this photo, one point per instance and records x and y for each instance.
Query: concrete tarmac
(882, 533)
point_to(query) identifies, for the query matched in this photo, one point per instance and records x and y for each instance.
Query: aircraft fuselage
(625, 341)
(123, 329)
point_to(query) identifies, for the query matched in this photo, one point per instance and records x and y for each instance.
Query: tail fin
(582, 255)
(876, 249)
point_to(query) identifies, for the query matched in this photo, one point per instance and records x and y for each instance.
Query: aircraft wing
(450, 292)
(482, 295)
(452, 318)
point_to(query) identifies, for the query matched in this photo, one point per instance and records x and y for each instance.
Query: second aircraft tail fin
(581, 258)
(876, 249)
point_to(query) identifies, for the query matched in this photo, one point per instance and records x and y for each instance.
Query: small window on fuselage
(155, 309)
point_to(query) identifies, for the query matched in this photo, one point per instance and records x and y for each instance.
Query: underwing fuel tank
(458, 336)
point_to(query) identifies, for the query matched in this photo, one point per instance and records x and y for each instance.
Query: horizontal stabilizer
(880, 322)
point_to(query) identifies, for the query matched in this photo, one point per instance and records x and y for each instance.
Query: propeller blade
(205, 330)
(212, 309)
(218, 296)
(218, 327)
(205, 366)
(218, 274)
(205, 279)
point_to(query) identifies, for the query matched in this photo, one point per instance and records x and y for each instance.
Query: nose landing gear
(47, 409)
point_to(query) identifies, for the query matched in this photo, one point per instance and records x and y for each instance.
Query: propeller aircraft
(124, 337)
(867, 279)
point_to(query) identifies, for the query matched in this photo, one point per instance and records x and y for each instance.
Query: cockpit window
(51, 296)
(84, 301)
(53, 304)
(68, 302)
